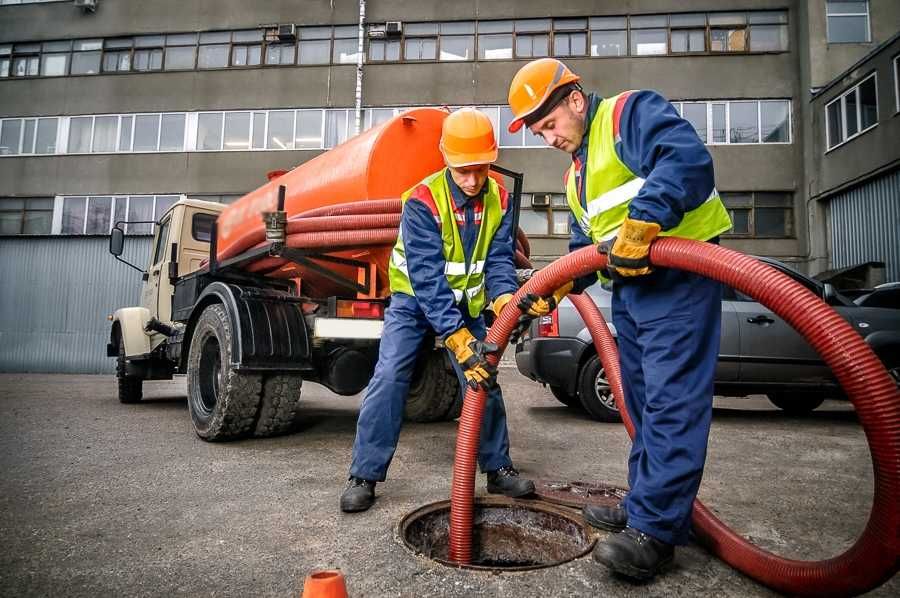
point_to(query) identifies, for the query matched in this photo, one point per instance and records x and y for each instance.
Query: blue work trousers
(668, 335)
(381, 414)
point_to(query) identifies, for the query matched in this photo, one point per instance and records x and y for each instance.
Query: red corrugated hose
(352, 225)
(874, 557)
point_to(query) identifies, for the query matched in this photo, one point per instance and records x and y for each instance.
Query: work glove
(500, 302)
(534, 305)
(629, 251)
(471, 354)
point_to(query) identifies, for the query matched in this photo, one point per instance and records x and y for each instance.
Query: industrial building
(112, 110)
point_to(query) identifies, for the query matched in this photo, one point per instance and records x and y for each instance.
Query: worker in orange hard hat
(639, 171)
(452, 260)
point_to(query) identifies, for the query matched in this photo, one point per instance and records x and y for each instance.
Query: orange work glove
(629, 251)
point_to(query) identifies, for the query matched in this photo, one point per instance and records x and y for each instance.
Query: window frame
(752, 205)
(868, 15)
(25, 210)
(842, 98)
(896, 62)
(116, 200)
(678, 104)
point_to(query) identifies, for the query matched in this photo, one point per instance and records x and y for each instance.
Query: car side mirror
(116, 241)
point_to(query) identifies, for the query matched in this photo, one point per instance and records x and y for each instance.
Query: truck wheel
(595, 393)
(222, 402)
(565, 398)
(434, 392)
(130, 387)
(279, 405)
(796, 403)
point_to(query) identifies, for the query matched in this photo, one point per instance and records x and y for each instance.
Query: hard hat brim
(460, 160)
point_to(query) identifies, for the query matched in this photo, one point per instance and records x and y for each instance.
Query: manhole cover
(507, 535)
(579, 494)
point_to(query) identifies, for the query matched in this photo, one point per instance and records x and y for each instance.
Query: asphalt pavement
(103, 499)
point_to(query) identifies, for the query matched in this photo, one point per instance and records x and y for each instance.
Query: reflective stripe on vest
(610, 186)
(465, 282)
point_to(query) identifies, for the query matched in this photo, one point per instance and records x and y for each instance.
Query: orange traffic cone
(325, 584)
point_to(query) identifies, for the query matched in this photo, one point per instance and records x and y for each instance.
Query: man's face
(563, 128)
(470, 178)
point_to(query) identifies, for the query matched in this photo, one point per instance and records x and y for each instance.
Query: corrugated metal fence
(55, 294)
(865, 225)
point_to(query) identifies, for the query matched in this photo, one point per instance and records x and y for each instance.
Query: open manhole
(507, 535)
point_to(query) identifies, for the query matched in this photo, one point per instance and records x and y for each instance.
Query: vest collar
(459, 198)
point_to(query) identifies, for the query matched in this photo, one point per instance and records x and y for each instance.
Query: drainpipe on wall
(359, 66)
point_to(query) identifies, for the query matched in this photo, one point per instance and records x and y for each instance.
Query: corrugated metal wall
(55, 294)
(864, 224)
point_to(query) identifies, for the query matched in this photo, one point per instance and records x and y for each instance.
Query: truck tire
(565, 398)
(130, 387)
(595, 394)
(279, 405)
(434, 393)
(796, 403)
(222, 402)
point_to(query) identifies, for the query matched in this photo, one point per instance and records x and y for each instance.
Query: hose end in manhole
(507, 534)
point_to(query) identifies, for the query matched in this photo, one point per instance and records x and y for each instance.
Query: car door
(150, 293)
(728, 364)
(770, 350)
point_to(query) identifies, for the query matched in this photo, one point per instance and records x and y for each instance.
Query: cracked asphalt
(103, 499)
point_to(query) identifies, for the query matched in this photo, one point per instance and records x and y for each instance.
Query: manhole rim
(498, 501)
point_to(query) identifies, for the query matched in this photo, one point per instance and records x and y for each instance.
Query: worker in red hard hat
(452, 260)
(639, 171)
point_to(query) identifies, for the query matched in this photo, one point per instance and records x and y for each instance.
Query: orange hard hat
(533, 85)
(467, 138)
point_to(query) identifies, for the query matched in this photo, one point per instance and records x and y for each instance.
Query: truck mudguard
(270, 332)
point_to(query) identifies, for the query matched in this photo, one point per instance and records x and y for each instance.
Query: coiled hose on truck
(874, 557)
(352, 225)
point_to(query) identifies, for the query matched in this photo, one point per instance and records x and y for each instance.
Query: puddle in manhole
(507, 535)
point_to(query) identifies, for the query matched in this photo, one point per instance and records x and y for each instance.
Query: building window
(609, 36)
(728, 32)
(346, 45)
(853, 113)
(275, 54)
(648, 35)
(768, 31)
(9, 2)
(98, 214)
(26, 60)
(28, 136)
(315, 45)
(181, 52)
(739, 121)
(148, 53)
(214, 49)
(117, 55)
(86, 56)
(495, 40)
(532, 38)
(26, 215)
(457, 41)
(544, 214)
(847, 21)
(384, 50)
(569, 37)
(688, 33)
(760, 214)
(247, 49)
(55, 58)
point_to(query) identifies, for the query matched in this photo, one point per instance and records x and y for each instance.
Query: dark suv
(759, 353)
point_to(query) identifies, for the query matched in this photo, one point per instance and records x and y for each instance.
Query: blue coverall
(409, 320)
(667, 322)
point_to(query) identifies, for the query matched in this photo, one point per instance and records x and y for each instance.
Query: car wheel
(595, 393)
(569, 400)
(796, 403)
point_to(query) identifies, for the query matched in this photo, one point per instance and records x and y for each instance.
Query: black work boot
(634, 554)
(358, 495)
(611, 519)
(506, 481)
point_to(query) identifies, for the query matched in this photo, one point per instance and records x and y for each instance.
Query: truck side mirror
(116, 241)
